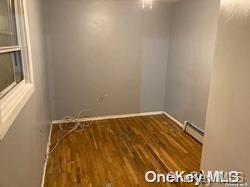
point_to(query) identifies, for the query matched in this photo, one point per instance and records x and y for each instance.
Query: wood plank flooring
(118, 152)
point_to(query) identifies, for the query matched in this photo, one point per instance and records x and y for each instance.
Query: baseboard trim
(174, 120)
(113, 116)
(131, 115)
(47, 156)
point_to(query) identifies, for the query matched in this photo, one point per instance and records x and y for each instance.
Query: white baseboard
(47, 156)
(173, 119)
(113, 116)
(134, 115)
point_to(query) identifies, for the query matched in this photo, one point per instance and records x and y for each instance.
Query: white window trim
(12, 103)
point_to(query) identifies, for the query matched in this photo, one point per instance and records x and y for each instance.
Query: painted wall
(191, 51)
(112, 49)
(22, 150)
(227, 141)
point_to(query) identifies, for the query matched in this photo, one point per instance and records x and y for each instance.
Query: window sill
(12, 104)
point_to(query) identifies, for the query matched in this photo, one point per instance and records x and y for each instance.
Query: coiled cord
(78, 126)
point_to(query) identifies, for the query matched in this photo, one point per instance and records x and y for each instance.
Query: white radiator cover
(194, 131)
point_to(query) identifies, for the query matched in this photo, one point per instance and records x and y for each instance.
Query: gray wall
(191, 51)
(22, 150)
(227, 141)
(114, 48)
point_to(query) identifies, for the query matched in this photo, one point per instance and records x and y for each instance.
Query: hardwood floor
(118, 152)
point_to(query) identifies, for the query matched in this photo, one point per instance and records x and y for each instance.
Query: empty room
(124, 93)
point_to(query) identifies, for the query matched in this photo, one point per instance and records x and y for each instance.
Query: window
(16, 82)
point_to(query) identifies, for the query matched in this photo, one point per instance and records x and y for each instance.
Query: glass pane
(17, 60)
(8, 33)
(10, 69)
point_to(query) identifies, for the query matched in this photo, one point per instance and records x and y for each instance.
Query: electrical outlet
(40, 132)
(101, 98)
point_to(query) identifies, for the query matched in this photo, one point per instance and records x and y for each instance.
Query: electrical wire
(72, 124)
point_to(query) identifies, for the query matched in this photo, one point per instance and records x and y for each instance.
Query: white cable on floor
(78, 126)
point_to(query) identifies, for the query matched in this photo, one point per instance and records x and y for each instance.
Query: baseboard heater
(194, 131)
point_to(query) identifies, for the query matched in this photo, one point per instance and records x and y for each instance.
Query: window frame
(15, 99)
